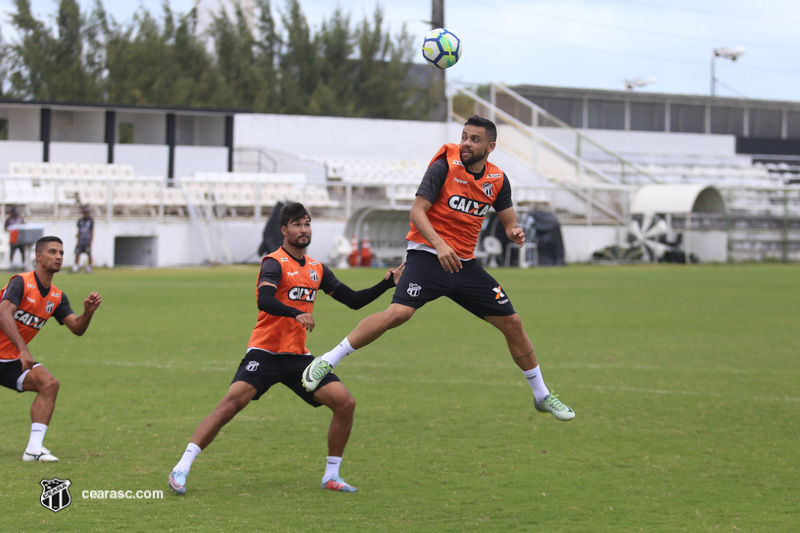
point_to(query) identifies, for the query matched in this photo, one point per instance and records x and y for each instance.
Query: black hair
(293, 211)
(44, 240)
(488, 125)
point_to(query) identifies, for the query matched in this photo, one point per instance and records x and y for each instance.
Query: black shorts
(472, 288)
(83, 249)
(10, 374)
(263, 369)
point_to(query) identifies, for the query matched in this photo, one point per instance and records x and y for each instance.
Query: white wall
(648, 143)
(191, 159)
(147, 159)
(351, 137)
(18, 151)
(23, 123)
(68, 152)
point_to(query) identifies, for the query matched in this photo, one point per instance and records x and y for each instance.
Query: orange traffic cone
(366, 253)
(353, 259)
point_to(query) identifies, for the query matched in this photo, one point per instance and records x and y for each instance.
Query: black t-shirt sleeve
(433, 180)
(14, 290)
(271, 272)
(63, 310)
(503, 200)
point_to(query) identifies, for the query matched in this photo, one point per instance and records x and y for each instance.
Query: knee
(511, 325)
(399, 315)
(50, 386)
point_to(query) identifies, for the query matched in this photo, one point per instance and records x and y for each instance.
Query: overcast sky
(596, 44)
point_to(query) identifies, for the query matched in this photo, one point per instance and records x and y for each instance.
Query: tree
(298, 62)
(49, 66)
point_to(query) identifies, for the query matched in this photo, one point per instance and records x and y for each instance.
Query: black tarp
(272, 238)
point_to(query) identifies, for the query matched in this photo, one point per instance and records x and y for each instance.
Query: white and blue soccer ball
(441, 48)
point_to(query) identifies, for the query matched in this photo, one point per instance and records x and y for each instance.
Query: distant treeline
(270, 65)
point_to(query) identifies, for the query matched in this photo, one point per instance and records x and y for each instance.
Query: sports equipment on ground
(441, 48)
(177, 481)
(553, 405)
(40, 454)
(338, 484)
(314, 373)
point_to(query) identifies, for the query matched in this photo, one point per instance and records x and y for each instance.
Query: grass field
(684, 381)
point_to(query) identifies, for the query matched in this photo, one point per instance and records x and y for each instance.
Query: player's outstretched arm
(79, 324)
(514, 231)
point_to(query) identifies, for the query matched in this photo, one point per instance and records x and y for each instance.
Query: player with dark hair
(286, 289)
(28, 301)
(456, 192)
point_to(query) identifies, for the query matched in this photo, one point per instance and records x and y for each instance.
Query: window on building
(647, 116)
(728, 120)
(606, 115)
(3, 129)
(686, 118)
(793, 124)
(765, 123)
(125, 133)
(184, 130)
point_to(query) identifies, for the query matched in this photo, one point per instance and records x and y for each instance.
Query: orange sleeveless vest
(31, 315)
(297, 288)
(458, 212)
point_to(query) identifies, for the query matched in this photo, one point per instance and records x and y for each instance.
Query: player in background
(286, 289)
(456, 192)
(85, 237)
(28, 301)
(12, 224)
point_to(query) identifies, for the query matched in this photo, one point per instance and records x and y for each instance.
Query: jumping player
(456, 192)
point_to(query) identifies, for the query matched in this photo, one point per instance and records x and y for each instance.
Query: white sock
(535, 380)
(332, 467)
(335, 356)
(191, 453)
(37, 436)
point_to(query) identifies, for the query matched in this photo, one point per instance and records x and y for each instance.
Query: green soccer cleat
(338, 484)
(553, 405)
(177, 481)
(314, 373)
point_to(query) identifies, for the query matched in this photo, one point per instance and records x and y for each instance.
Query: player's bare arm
(79, 324)
(514, 231)
(419, 216)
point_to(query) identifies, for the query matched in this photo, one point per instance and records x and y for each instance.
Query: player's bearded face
(299, 233)
(474, 145)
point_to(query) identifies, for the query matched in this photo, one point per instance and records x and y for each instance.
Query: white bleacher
(373, 171)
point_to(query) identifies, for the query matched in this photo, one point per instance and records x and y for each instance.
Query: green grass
(684, 381)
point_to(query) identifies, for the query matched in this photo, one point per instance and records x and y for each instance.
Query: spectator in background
(85, 237)
(13, 222)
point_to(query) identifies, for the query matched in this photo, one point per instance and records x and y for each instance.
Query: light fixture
(725, 52)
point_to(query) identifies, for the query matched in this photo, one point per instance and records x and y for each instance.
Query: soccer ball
(441, 48)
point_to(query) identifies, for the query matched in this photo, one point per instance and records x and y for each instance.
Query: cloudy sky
(597, 44)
